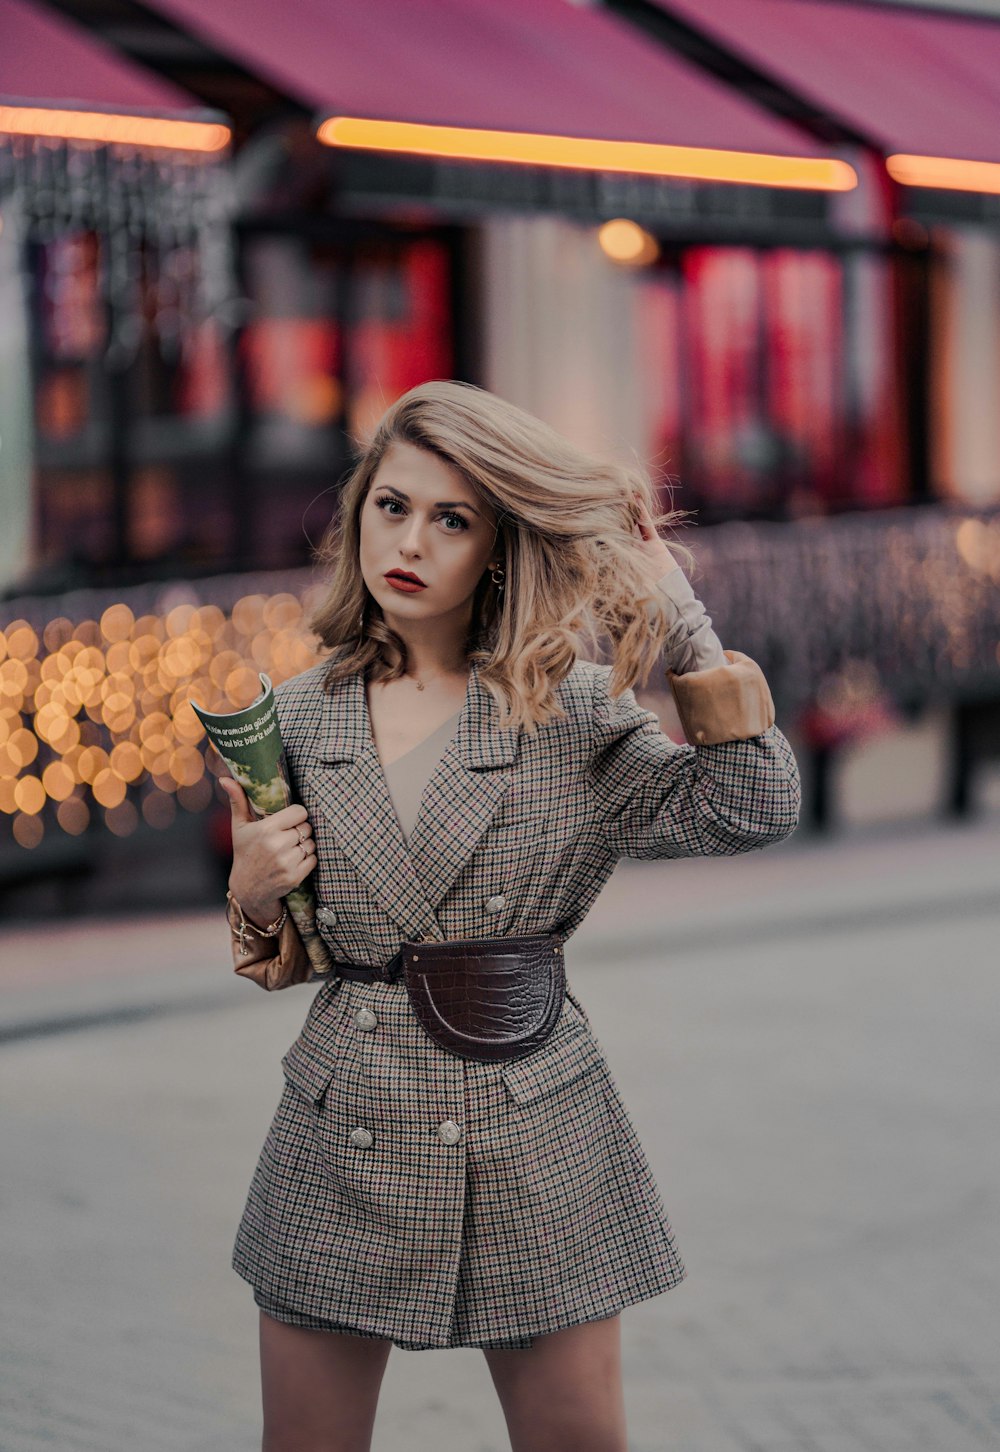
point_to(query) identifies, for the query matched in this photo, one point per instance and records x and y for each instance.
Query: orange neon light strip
(107, 127)
(945, 172)
(700, 163)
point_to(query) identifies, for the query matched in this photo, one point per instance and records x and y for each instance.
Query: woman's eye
(384, 500)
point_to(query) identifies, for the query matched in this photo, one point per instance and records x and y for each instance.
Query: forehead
(422, 475)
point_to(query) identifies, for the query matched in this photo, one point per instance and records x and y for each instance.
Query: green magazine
(249, 743)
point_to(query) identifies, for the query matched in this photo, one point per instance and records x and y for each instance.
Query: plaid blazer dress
(407, 1193)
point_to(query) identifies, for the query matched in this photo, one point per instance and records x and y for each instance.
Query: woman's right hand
(268, 860)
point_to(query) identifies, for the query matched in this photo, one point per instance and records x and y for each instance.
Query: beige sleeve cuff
(723, 703)
(271, 962)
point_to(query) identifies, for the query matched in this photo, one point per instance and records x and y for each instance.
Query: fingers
(290, 816)
(273, 859)
(302, 833)
(302, 851)
(644, 520)
(238, 801)
(284, 829)
(277, 855)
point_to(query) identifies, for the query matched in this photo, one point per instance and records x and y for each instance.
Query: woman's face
(422, 517)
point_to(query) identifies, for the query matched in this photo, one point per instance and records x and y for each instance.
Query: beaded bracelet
(246, 926)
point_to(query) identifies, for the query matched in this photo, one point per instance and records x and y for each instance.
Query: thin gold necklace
(421, 684)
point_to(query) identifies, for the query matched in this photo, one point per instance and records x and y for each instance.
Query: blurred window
(339, 332)
(229, 452)
(779, 394)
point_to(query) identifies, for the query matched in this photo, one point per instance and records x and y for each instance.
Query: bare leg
(319, 1388)
(564, 1394)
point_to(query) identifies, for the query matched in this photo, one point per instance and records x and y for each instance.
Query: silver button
(365, 1018)
(494, 904)
(362, 1138)
(449, 1132)
(326, 916)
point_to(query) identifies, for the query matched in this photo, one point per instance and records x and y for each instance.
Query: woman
(462, 774)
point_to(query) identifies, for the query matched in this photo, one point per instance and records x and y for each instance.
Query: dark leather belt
(480, 998)
(390, 972)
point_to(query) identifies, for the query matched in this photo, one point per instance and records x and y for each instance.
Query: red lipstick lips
(404, 580)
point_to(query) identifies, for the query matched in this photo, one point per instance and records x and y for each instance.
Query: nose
(411, 537)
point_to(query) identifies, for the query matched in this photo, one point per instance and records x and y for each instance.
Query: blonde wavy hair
(565, 536)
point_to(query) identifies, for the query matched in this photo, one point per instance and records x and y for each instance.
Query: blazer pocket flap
(307, 1073)
(552, 1067)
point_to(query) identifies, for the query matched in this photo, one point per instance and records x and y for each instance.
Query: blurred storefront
(814, 372)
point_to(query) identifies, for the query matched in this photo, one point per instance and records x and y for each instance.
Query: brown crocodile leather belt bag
(481, 998)
(484, 998)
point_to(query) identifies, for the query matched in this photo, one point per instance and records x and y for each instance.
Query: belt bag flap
(487, 998)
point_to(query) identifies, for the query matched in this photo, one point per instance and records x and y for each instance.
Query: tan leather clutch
(271, 962)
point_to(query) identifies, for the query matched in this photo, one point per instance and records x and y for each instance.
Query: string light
(94, 714)
(95, 718)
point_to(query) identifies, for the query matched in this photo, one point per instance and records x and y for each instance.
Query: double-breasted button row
(448, 1132)
(494, 904)
(327, 917)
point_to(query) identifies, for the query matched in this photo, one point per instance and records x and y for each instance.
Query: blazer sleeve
(732, 787)
(272, 963)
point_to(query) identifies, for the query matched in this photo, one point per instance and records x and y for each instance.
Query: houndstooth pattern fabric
(404, 1192)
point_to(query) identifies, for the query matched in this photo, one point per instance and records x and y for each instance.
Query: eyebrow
(441, 504)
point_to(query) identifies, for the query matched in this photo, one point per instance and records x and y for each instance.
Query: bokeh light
(197, 797)
(95, 715)
(28, 830)
(159, 810)
(29, 795)
(58, 781)
(73, 816)
(626, 243)
(122, 819)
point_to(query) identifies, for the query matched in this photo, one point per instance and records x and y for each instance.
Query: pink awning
(927, 84)
(46, 58)
(523, 65)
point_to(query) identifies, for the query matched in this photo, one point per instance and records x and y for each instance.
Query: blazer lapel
(463, 793)
(459, 802)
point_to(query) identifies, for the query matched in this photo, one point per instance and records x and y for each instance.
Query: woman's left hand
(650, 545)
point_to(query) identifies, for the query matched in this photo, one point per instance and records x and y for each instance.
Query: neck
(433, 656)
(431, 668)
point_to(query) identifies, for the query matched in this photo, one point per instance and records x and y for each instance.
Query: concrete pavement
(806, 1038)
